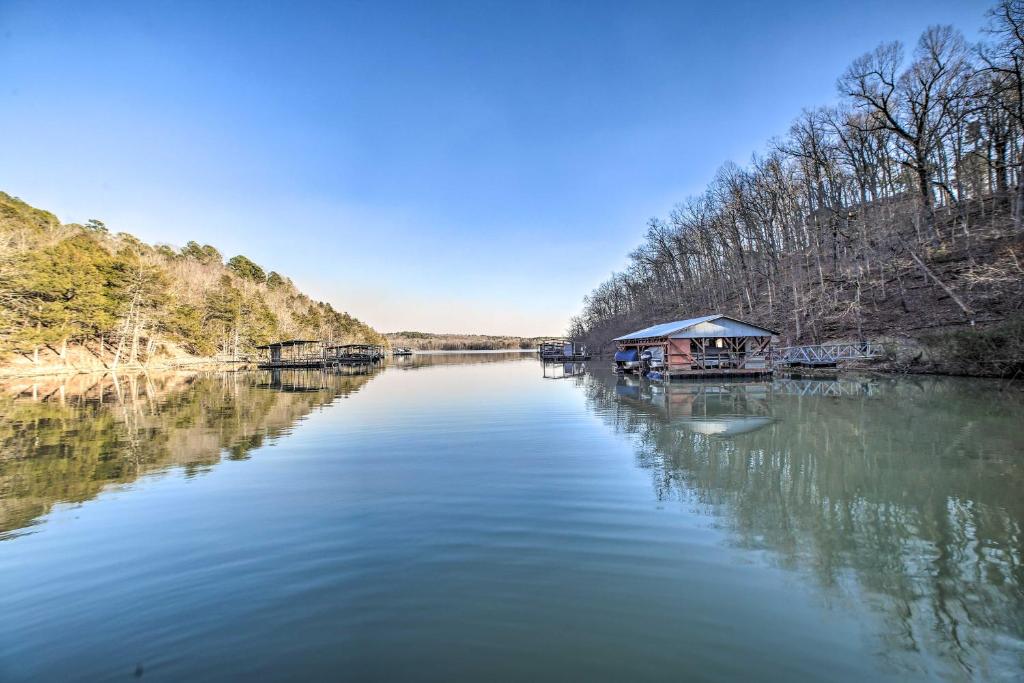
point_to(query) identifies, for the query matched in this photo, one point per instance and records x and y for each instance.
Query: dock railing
(826, 354)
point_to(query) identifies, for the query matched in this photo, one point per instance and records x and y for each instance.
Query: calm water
(465, 517)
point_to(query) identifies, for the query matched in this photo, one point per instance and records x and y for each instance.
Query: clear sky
(441, 166)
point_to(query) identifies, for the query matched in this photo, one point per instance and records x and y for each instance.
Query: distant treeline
(121, 301)
(427, 341)
(896, 211)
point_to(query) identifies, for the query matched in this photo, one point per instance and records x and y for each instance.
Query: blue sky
(439, 166)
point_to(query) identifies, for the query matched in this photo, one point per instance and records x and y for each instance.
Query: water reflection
(428, 359)
(712, 409)
(483, 508)
(562, 370)
(64, 440)
(904, 495)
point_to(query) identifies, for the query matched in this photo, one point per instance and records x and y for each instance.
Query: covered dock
(354, 353)
(309, 353)
(709, 346)
(562, 351)
(291, 353)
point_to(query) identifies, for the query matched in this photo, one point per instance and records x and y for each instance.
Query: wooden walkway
(825, 355)
(718, 372)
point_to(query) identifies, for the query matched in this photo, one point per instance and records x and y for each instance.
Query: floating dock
(310, 353)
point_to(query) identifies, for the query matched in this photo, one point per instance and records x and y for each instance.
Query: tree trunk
(124, 333)
(136, 332)
(1002, 185)
(952, 295)
(924, 184)
(1018, 205)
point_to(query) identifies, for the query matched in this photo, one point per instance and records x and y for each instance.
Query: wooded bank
(78, 296)
(896, 212)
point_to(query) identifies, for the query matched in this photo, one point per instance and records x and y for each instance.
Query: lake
(484, 517)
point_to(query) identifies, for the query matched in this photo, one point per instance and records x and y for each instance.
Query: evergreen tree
(62, 293)
(246, 269)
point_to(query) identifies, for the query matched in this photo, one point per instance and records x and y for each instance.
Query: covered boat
(627, 360)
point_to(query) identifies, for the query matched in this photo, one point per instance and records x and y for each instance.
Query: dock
(562, 351)
(312, 353)
(710, 346)
(718, 372)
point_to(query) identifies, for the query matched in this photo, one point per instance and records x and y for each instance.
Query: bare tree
(854, 211)
(919, 105)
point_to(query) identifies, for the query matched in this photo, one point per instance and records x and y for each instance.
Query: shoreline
(54, 371)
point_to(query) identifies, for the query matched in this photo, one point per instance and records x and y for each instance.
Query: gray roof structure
(729, 327)
(289, 342)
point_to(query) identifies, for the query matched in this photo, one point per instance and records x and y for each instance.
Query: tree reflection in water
(64, 440)
(907, 495)
(420, 360)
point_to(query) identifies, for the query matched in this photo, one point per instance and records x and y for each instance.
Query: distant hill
(428, 341)
(78, 297)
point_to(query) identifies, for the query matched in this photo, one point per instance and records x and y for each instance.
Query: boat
(401, 351)
(627, 361)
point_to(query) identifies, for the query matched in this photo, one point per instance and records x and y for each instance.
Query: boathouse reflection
(563, 370)
(902, 495)
(722, 408)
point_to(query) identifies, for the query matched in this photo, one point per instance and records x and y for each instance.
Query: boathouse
(562, 350)
(355, 353)
(292, 353)
(306, 353)
(712, 345)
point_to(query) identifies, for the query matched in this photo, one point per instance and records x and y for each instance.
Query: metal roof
(290, 342)
(668, 329)
(665, 329)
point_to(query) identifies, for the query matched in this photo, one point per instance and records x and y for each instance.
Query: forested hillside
(78, 295)
(429, 341)
(896, 212)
